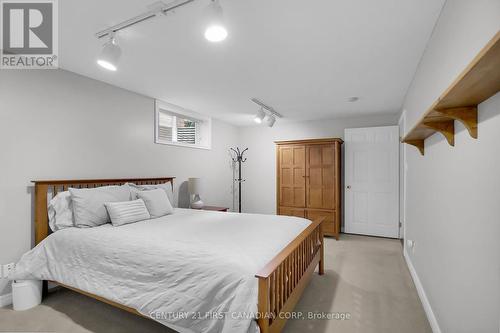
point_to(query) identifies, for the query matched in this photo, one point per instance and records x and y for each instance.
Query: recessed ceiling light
(353, 99)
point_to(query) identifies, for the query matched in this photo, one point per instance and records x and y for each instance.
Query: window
(176, 126)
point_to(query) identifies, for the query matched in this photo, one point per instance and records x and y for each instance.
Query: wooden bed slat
(308, 249)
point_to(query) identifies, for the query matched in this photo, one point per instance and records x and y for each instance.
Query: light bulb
(216, 33)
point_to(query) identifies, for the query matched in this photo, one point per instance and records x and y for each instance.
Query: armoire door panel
(320, 166)
(286, 196)
(315, 177)
(292, 176)
(299, 176)
(328, 155)
(287, 176)
(328, 197)
(286, 156)
(328, 175)
(292, 197)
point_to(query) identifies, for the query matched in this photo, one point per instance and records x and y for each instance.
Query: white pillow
(157, 202)
(88, 203)
(167, 187)
(126, 212)
(60, 211)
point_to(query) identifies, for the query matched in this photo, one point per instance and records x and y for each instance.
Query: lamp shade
(194, 185)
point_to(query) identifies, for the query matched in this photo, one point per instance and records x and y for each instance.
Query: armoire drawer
(291, 211)
(329, 222)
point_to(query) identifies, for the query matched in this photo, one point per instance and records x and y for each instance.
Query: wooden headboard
(44, 188)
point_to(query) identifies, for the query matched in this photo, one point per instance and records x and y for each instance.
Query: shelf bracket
(417, 143)
(466, 115)
(447, 128)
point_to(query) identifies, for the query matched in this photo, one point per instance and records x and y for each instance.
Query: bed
(182, 265)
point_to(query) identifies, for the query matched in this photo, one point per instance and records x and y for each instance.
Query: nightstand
(215, 208)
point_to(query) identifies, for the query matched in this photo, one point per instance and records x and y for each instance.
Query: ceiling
(304, 58)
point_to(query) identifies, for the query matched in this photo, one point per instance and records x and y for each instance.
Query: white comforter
(184, 270)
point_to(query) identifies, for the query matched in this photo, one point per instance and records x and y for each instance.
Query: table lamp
(194, 186)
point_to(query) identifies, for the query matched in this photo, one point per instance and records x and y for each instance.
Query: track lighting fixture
(260, 116)
(216, 30)
(265, 113)
(270, 120)
(110, 54)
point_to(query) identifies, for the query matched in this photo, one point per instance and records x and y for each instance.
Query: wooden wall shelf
(478, 82)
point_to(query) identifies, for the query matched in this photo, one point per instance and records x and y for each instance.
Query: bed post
(263, 302)
(41, 214)
(41, 222)
(321, 269)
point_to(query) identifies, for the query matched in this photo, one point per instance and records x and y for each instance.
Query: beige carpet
(366, 277)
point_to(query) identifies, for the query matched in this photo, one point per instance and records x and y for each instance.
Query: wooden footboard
(282, 281)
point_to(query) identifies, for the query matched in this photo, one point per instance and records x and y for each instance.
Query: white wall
(58, 125)
(463, 28)
(259, 189)
(453, 211)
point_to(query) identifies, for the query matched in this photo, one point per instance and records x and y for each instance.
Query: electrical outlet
(411, 245)
(6, 269)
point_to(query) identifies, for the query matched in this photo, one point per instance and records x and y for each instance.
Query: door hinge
(400, 224)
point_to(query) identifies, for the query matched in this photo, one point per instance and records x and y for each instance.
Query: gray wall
(453, 211)
(259, 189)
(56, 124)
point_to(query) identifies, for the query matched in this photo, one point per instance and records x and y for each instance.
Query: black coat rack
(239, 158)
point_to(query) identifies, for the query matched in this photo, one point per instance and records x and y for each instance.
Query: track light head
(260, 116)
(216, 30)
(110, 54)
(270, 120)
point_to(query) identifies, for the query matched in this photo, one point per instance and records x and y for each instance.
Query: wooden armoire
(308, 180)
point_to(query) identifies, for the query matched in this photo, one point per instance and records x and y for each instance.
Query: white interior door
(372, 181)
(402, 177)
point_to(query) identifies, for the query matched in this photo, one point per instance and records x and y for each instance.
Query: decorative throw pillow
(157, 202)
(167, 187)
(60, 211)
(88, 203)
(126, 212)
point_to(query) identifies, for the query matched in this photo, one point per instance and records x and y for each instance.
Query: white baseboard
(421, 293)
(5, 300)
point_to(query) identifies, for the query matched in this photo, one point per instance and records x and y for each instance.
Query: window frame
(205, 125)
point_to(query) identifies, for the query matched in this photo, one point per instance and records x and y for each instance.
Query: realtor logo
(29, 34)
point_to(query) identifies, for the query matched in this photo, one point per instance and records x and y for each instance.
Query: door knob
(348, 187)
